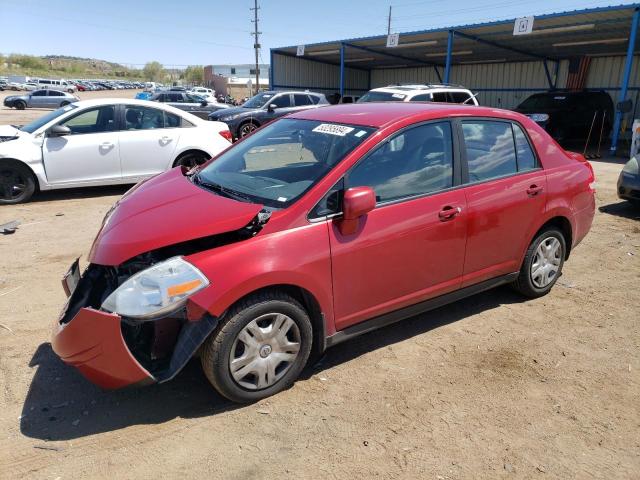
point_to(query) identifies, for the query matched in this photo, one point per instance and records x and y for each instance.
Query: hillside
(64, 66)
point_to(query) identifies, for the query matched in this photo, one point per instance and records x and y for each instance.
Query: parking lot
(544, 388)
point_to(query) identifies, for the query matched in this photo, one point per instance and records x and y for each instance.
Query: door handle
(449, 212)
(164, 140)
(534, 190)
(106, 145)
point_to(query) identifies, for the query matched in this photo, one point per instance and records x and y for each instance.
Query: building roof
(594, 31)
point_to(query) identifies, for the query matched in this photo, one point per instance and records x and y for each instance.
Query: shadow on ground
(62, 405)
(622, 209)
(77, 193)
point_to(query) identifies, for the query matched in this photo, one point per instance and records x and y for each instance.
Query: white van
(60, 84)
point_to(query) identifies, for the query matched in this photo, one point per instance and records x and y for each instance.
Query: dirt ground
(490, 387)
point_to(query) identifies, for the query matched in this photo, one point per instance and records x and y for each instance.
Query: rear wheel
(191, 159)
(20, 104)
(64, 104)
(16, 183)
(259, 349)
(542, 264)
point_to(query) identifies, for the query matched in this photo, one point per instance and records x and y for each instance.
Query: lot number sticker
(523, 26)
(300, 51)
(331, 129)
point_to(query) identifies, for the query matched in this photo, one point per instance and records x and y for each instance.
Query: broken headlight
(157, 290)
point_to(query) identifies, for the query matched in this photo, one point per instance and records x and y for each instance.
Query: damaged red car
(319, 227)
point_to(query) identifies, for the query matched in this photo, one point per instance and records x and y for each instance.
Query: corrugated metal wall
(298, 73)
(502, 85)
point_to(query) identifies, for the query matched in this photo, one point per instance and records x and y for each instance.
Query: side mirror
(204, 103)
(271, 107)
(58, 131)
(358, 201)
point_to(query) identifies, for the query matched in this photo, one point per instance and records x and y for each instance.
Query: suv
(321, 226)
(194, 104)
(442, 93)
(570, 115)
(264, 107)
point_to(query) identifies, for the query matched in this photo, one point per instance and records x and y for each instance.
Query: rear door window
(301, 100)
(459, 97)
(440, 97)
(526, 158)
(423, 97)
(490, 149)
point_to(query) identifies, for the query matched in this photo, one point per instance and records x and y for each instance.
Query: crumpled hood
(165, 210)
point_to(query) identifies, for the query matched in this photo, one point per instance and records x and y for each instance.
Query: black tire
(64, 104)
(525, 283)
(17, 183)
(217, 350)
(20, 104)
(246, 128)
(191, 159)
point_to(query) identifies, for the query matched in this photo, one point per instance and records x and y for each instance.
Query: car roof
(418, 88)
(379, 114)
(132, 101)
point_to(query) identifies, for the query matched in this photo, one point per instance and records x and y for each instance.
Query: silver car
(40, 99)
(194, 104)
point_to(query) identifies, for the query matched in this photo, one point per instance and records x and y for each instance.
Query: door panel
(146, 146)
(90, 154)
(411, 247)
(401, 255)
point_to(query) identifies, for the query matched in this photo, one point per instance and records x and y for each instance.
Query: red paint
(393, 256)
(92, 342)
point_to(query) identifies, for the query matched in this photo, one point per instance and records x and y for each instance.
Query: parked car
(569, 115)
(319, 227)
(193, 104)
(204, 92)
(40, 99)
(56, 84)
(629, 182)
(265, 107)
(102, 142)
(443, 93)
(30, 86)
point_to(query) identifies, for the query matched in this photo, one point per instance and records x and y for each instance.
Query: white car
(102, 142)
(204, 92)
(441, 92)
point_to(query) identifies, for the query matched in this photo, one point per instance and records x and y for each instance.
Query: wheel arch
(189, 151)
(563, 224)
(310, 304)
(36, 180)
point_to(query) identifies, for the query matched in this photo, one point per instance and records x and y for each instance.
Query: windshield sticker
(282, 199)
(360, 133)
(331, 129)
(398, 95)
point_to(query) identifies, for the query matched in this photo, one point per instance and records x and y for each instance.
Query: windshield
(281, 161)
(36, 124)
(381, 97)
(258, 101)
(544, 102)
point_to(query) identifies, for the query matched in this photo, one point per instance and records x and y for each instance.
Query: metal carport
(485, 57)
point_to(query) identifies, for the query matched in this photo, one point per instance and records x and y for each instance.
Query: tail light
(579, 157)
(227, 135)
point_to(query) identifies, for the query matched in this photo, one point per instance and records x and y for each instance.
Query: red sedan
(321, 226)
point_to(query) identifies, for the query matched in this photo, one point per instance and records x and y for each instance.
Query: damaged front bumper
(115, 352)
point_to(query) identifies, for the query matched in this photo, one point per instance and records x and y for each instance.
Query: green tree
(153, 71)
(194, 74)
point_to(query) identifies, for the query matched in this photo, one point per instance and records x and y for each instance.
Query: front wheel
(20, 105)
(192, 159)
(260, 348)
(542, 264)
(16, 183)
(246, 128)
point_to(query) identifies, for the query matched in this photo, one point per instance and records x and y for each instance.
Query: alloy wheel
(12, 184)
(264, 350)
(246, 129)
(546, 262)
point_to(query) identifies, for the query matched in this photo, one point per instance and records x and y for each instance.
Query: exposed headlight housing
(157, 290)
(632, 167)
(539, 117)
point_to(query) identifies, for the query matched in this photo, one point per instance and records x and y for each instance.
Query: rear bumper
(92, 342)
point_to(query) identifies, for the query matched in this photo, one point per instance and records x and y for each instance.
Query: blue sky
(188, 32)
